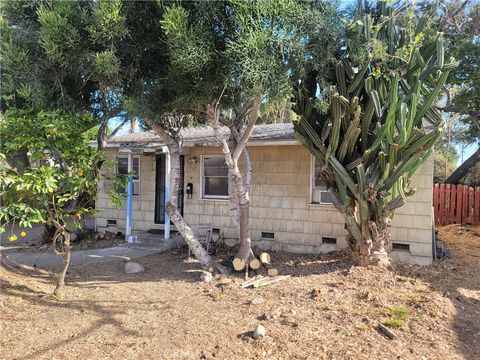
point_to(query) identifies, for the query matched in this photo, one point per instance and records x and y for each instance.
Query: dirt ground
(326, 310)
(84, 240)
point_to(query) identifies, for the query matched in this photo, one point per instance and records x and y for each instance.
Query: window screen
(215, 177)
(320, 193)
(122, 169)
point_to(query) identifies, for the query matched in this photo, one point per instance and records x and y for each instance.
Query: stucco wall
(280, 203)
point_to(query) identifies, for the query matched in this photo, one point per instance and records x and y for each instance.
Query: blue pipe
(129, 206)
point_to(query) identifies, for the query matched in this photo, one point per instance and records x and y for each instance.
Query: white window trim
(312, 183)
(202, 185)
(139, 171)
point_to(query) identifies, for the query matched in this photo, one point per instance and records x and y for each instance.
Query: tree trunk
(463, 169)
(239, 185)
(66, 263)
(372, 251)
(171, 208)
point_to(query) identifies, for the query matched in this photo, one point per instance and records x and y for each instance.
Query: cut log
(238, 264)
(271, 271)
(255, 264)
(265, 258)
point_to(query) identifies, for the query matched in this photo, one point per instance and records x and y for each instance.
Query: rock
(315, 293)
(225, 280)
(259, 332)
(256, 301)
(446, 293)
(462, 299)
(386, 331)
(442, 250)
(274, 313)
(132, 267)
(206, 276)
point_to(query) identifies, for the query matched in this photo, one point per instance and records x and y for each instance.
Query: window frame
(313, 187)
(202, 179)
(139, 171)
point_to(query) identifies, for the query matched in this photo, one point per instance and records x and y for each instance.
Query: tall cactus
(379, 128)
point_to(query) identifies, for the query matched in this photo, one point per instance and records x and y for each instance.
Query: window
(214, 177)
(122, 169)
(320, 193)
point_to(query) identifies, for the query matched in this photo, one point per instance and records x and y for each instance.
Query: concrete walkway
(81, 257)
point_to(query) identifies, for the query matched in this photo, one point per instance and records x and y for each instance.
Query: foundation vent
(329, 240)
(268, 235)
(400, 247)
(111, 222)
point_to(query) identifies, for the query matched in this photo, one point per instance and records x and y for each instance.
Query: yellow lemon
(77, 214)
(12, 237)
(80, 173)
(23, 234)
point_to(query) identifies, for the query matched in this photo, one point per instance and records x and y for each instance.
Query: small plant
(394, 323)
(398, 312)
(397, 316)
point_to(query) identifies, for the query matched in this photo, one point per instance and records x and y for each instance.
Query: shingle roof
(204, 136)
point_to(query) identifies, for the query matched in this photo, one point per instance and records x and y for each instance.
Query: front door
(160, 188)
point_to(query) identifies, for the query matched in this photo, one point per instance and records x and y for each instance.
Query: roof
(204, 136)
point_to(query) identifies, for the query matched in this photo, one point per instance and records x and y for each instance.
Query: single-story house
(290, 209)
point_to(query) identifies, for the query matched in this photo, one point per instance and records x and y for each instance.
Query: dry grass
(326, 310)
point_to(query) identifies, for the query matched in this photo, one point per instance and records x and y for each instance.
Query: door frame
(160, 171)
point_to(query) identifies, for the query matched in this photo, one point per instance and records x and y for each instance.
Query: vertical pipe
(128, 227)
(167, 194)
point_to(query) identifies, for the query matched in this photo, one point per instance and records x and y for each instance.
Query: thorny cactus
(380, 127)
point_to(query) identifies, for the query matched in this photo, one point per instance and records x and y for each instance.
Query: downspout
(128, 226)
(167, 194)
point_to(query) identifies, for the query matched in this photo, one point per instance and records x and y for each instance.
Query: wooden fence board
(456, 204)
(453, 198)
(459, 204)
(476, 211)
(465, 206)
(441, 214)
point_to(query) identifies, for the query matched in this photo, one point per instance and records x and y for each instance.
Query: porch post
(128, 226)
(167, 194)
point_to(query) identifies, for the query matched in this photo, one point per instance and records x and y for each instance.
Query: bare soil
(328, 309)
(83, 240)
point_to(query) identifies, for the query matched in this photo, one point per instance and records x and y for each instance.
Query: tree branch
(248, 131)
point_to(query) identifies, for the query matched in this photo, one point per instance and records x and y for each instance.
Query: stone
(132, 267)
(206, 276)
(274, 313)
(386, 331)
(256, 301)
(259, 332)
(462, 299)
(225, 280)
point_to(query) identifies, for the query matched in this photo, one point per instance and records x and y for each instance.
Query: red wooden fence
(456, 204)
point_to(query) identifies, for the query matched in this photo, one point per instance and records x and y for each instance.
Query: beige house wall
(143, 206)
(280, 203)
